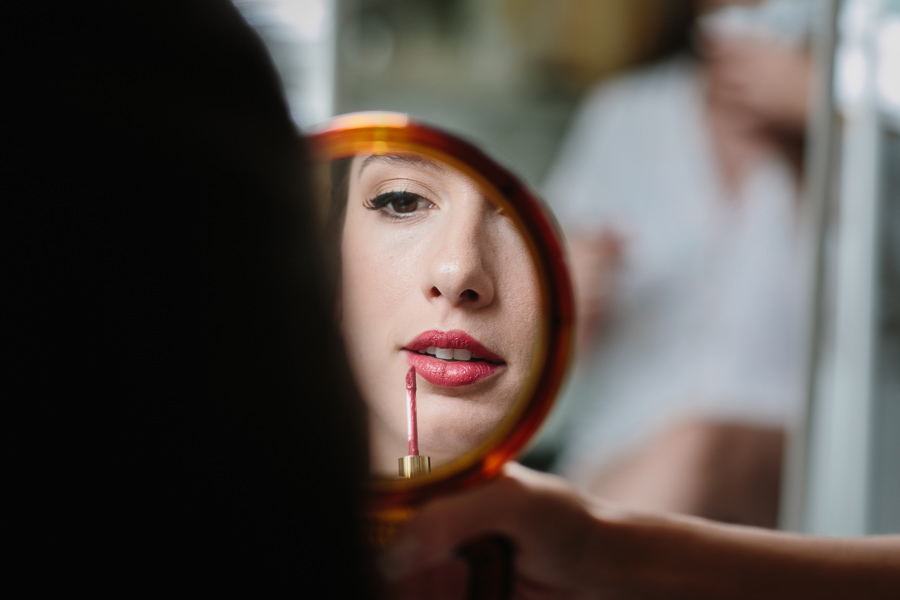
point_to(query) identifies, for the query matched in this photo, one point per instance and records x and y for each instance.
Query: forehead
(432, 172)
(417, 161)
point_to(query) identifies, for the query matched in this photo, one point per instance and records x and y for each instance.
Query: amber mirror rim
(347, 135)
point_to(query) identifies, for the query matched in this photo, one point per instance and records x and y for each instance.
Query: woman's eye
(398, 203)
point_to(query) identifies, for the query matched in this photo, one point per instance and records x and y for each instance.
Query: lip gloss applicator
(413, 464)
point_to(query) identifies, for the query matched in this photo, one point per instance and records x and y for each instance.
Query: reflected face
(435, 277)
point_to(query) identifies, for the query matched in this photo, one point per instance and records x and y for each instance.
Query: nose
(459, 265)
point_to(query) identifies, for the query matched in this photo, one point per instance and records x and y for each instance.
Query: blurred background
(787, 113)
(504, 73)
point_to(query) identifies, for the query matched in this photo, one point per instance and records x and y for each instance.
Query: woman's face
(435, 277)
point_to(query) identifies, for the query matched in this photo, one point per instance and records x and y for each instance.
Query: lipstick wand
(413, 464)
(411, 425)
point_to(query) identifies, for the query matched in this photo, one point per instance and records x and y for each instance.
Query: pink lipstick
(411, 424)
(451, 358)
(412, 465)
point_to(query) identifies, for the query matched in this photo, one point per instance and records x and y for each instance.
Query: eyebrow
(403, 159)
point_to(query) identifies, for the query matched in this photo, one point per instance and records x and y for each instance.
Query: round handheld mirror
(455, 302)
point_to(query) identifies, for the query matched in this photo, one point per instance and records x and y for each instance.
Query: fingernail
(399, 559)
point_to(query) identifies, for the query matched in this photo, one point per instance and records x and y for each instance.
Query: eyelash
(383, 202)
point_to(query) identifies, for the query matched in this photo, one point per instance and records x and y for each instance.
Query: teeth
(444, 353)
(449, 353)
(460, 354)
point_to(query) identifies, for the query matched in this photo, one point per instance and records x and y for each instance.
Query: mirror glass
(434, 277)
(450, 320)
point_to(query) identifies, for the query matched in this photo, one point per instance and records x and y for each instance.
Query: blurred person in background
(678, 189)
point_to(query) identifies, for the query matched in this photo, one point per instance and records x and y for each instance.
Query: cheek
(524, 312)
(375, 280)
(518, 279)
(374, 288)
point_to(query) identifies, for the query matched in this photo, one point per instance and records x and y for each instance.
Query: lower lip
(449, 374)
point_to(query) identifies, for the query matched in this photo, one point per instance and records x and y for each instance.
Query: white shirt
(706, 317)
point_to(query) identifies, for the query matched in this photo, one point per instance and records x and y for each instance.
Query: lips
(451, 358)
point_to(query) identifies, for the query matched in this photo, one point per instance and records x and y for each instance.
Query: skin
(571, 545)
(448, 260)
(757, 97)
(726, 471)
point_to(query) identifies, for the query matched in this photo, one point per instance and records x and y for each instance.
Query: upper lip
(453, 339)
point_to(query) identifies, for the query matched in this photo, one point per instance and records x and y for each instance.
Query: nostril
(467, 295)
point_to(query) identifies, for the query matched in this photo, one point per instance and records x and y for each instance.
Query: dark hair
(338, 182)
(195, 423)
